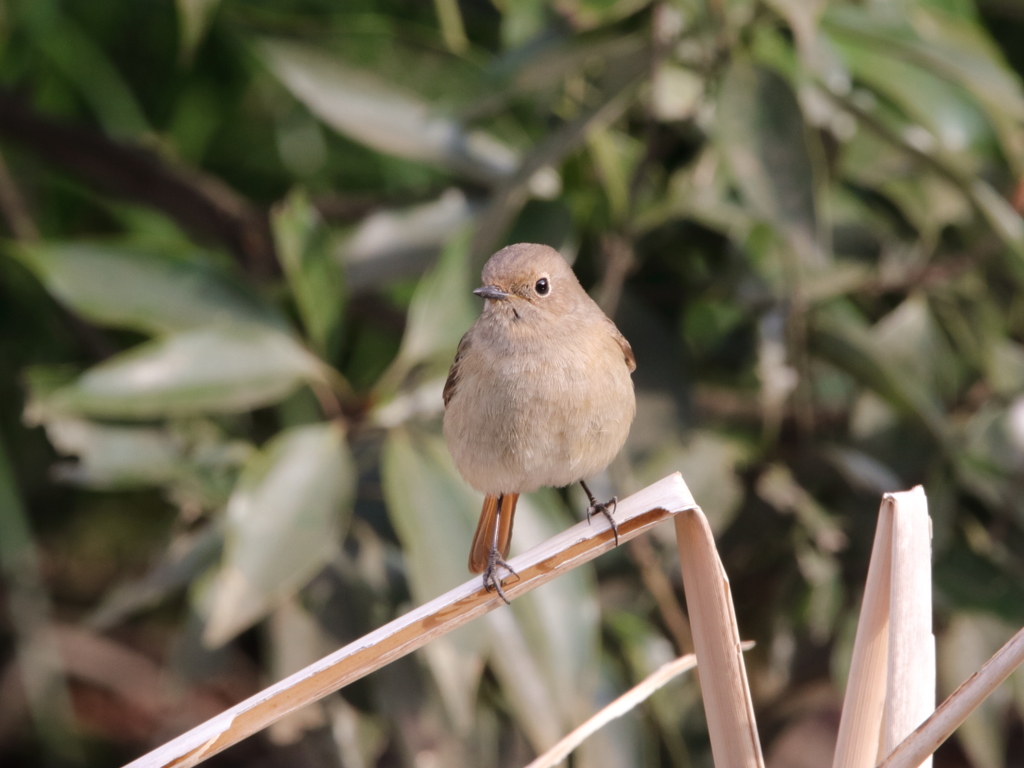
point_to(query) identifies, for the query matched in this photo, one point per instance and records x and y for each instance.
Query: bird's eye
(542, 287)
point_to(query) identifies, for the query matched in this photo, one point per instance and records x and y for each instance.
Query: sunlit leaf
(929, 202)
(709, 462)
(452, 29)
(1005, 367)
(193, 19)
(382, 116)
(837, 336)
(521, 21)
(309, 265)
(954, 121)
(1005, 221)
(284, 522)
(393, 243)
(114, 456)
(910, 338)
(441, 311)
(225, 369)
(615, 156)
(953, 47)
(434, 514)
(546, 63)
(675, 92)
(554, 637)
(127, 287)
(297, 640)
(586, 14)
(863, 471)
(560, 620)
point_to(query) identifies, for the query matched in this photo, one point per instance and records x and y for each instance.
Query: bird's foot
(491, 581)
(607, 509)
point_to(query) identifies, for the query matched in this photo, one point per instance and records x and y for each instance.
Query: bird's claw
(607, 509)
(491, 581)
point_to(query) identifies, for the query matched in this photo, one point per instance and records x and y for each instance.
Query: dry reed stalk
(623, 704)
(558, 555)
(891, 687)
(859, 731)
(918, 746)
(716, 639)
(910, 686)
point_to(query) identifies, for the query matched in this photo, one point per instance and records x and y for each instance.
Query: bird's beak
(491, 292)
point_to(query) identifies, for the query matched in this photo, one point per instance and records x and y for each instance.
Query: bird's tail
(493, 530)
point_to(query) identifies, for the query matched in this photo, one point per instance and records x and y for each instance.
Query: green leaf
(676, 92)
(392, 243)
(969, 640)
(193, 20)
(546, 658)
(966, 580)
(441, 311)
(943, 107)
(522, 21)
(188, 555)
(114, 456)
(837, 335)
(761, 134)
(910, 339)
(128, 287)
(434, 514)
(615, 155)
(80, 59)
(709, 462)
(285, 518)
(559, 624)
(586, 14)
(1004, 367)
(380, 115)
(310, 267)
(225, 370)
(955, 48)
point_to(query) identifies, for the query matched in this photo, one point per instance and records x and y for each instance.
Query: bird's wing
(453, 373)
(627, 351)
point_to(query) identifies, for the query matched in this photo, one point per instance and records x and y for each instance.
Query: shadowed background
(237, 244)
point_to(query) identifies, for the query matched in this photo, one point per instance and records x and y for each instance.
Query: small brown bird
(539, 394)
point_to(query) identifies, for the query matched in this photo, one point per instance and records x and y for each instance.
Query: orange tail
(494, 529)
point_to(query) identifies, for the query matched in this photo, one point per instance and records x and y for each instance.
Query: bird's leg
(494, 562)
(491, 581)
(606, 508)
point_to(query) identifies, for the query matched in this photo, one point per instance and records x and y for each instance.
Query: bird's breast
(547, 409)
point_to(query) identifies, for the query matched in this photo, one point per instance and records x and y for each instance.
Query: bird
(539, 394)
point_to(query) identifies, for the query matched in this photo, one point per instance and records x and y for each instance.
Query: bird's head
(527, 280)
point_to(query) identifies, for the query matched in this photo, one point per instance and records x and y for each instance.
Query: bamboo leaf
(441, 310)
(284, 522)
(434, 514)
(224, 370)
(378, 114)
(193, 20)
(761, 133)
(129, 287)
(312, 272)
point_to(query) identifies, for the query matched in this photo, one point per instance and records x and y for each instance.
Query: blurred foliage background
(239, 239)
